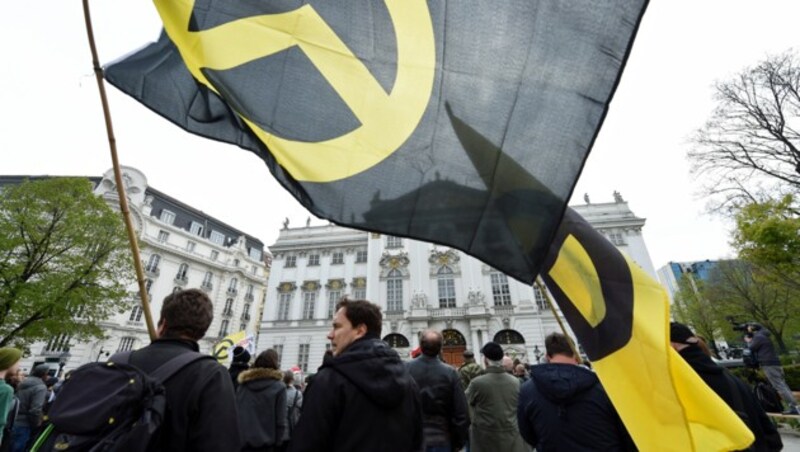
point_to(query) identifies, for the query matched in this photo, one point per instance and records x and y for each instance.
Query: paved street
(791, 441)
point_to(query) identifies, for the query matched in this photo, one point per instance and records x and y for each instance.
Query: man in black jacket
(764, 354)
(564, 407)
(362, 399)
(201, 409)
(729, 388)
(444, 405)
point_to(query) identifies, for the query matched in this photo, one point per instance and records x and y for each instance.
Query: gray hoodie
(31, 394)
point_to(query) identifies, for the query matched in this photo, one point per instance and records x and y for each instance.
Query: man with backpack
(764, 354)
(164, 397)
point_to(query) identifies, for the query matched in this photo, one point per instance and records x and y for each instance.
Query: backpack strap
(171, 367)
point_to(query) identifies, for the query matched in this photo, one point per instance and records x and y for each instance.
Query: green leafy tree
(63, 261)
(743, 291)
(693, 308)
(749, 150)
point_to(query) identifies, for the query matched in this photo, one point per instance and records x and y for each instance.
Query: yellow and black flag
(462, 122)
(346, 102)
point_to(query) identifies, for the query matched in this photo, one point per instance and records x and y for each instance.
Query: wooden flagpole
(552, 305)
(123, 200)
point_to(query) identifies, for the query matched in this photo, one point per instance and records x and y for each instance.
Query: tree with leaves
(693, 308)
(64, 265)
(745, 292)
(749, 150)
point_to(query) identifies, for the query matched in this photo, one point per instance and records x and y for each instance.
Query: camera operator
(764, 354)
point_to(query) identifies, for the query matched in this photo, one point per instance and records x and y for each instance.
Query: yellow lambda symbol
(387, 120)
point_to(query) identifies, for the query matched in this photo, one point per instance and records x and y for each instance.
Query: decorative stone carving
(310, 286)
(359, 283)
(448, 258)
(286, 223)
(286, 287)
(618, 197)
(476, 298)
(335, 284)
(419, 300)
(397, 262)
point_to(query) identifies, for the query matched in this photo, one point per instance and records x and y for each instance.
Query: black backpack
(768, 397)
(111, 406)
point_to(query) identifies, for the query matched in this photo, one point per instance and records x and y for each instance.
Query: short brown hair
(360, 312)
(187, 313)
(268, 359)
(558, 344)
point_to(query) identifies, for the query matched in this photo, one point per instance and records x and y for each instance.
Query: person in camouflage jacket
(469, 370)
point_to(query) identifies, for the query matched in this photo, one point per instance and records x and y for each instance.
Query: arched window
(507, 337)
(447, 288)
(394, 292)
(152, 263)
(396, 340)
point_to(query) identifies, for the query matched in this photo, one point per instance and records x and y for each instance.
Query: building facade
(418, 286)
(181, 247)
(670, 275)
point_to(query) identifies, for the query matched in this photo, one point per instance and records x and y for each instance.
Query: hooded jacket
(363, 399)
(562, 399)
(261, 404)
(745, 405)
(763, 349)
(31, 394)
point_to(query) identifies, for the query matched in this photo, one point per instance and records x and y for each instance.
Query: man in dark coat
(261, 402)
(444, 405)
(239, 363)
(742, 401)
(564, 407)
(201, 410)
(362, 399)
(764, 353)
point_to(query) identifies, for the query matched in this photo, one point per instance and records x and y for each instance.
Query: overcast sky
(51, 119)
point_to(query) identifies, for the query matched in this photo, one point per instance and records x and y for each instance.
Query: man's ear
(361, 330)
(162, 327)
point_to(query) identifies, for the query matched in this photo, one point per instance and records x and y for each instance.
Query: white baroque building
(418, 286)
(181, 247)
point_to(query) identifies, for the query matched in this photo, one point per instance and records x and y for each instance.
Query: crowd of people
(364, 397)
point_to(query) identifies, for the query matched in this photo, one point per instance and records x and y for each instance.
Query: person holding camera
(763, 352)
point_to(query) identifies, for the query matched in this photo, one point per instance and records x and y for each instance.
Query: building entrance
(453, 348)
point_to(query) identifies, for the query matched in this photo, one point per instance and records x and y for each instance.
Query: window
(246, 312)
(447, 288)
(291, 261)
(223, 328)
(337, 258)
(361, 257)
(394, 291)
(284, 303)
(313, 260)
(163, 236)
(236, 262)
(208, 280)
(190, 246)
(302, 357)
(214, 255)
(309, 303)
(182, 272)
(242, 327)
(148, 283)
(333, 299)
(393, 242)
(196, 228)
(541, 302)
(232, 285)
(360, 293)
(217, 237)
(254, 270)
(167, 216)
(59, 343)
(228, 307)
(126, 344)
(249, 294)
(136, 314)
(616, 238)
(500, 292)
(152, 263)
(279, 350)
(255, 254)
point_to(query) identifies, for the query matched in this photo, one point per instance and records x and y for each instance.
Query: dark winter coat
(746, 405)
(362, 400)
(261, 402)
(201, 409)
(763, 349)
(235, 369)
(31, 394)
(564, 407)
(444, 405)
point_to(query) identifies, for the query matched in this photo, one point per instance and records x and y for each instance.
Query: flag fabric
(222, 349)
(620, 316)
(349, 103)
(464, 123)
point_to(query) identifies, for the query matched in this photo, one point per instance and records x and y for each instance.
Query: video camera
(743, 326)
